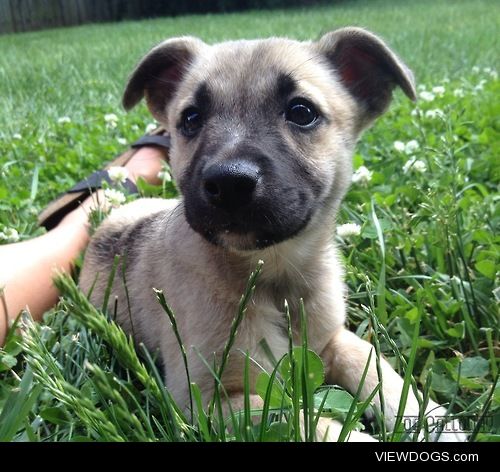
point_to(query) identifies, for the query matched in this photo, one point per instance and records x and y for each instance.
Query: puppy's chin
(240, 242)
(244, 242)
(235, 241)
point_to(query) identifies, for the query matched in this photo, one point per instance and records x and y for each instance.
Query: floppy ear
(367, 68)
(159, 73)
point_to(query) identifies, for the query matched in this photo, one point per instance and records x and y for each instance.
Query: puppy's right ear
(367, 68)
(159, 73)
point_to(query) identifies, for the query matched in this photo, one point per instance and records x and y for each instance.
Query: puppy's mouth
(247, 234)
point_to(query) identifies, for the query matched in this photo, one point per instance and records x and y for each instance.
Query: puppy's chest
(264, 330)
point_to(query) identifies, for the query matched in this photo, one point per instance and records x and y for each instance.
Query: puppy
(262, 137)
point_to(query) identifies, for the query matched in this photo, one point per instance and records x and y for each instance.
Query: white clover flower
(399, 146)
(151, 127)
(408, 148)
(411, 146)
(415, 112)
(421, 87)
(430, 114)
(122, 141)
(17, 136)
(165, 176)
(348, 229)
(10, 235)
(475, 69)
(438, 90)
(419, 166)
(114, 197)
(362, 175)
(64, 119)
(459, 93)
(480, 85)
(118, 174)
(487, 70)
(494, 74)
(111, 120)
(426, 96)
(110, 117)
(436, 113)
(415, 165)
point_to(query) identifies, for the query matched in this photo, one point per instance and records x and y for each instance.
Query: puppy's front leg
(345, 358)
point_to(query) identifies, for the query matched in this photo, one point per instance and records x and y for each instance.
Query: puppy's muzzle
(231, 185)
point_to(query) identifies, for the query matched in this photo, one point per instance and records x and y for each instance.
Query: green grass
(422, 274)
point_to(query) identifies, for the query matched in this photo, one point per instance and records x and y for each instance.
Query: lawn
(422, 272)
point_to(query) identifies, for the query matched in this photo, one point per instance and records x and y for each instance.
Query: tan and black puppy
(262, 137)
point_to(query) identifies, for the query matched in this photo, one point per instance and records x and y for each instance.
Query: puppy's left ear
(367, 68)
(159, 73)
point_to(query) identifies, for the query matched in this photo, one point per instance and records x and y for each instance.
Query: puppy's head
(263, 131)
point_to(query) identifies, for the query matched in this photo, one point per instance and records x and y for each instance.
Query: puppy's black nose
(231, 184)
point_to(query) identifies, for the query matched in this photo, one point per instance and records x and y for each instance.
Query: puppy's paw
(329, 431)
(438, 426)
(444, 428)
(453, 437)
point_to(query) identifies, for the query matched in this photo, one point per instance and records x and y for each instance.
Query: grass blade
(407, 380)
(171, 316)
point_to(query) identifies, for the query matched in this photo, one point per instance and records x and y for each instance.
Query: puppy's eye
(301, 112)
(191, 121)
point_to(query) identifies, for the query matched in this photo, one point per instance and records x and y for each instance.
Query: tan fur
(202, 282)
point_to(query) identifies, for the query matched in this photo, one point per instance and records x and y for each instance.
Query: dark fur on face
(287, 192)
(282, 206)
